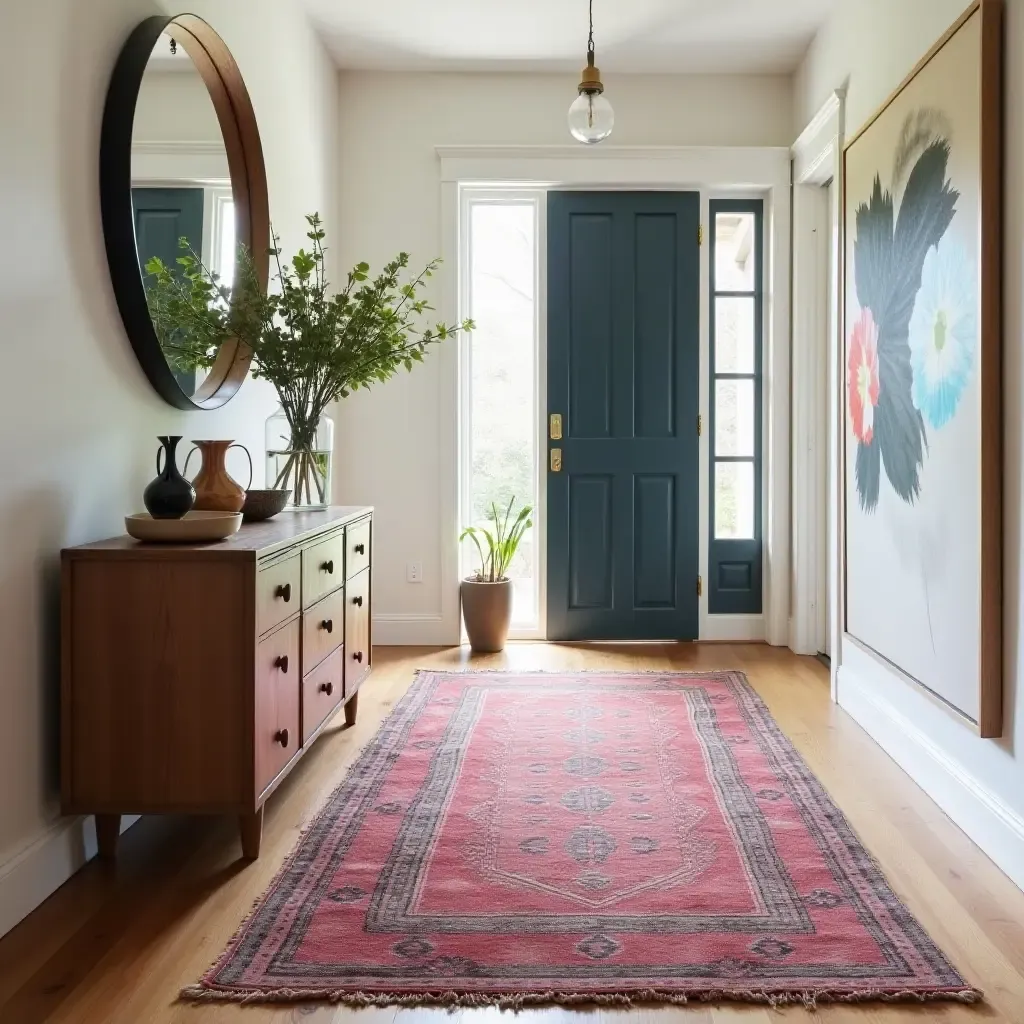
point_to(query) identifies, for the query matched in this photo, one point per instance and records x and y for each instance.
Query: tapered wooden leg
(251, 828)
(351, 708)
(108, 829)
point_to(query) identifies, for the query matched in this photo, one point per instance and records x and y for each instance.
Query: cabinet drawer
(357, 548)
(277, 593)
(357, 631)
(323, 568)
(277, 703)
(323, 629)
(322, 691)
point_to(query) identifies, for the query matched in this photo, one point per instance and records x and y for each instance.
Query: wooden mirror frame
(227, 90)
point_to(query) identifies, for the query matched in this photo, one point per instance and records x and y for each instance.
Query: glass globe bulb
(591, 117)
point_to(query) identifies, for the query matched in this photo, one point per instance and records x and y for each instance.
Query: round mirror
(182, 184)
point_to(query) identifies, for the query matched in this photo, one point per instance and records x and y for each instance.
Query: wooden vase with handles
(216, 489)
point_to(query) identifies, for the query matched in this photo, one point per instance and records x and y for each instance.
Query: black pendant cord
(590, 38)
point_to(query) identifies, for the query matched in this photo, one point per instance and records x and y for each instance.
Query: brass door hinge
(700, 586)
(700, 234)
(700, 424)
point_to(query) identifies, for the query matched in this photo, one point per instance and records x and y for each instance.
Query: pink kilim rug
(518, 837)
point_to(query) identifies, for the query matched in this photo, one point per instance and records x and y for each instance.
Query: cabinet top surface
(252, 540)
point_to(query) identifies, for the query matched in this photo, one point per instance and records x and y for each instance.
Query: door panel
(591, 367)
(591, 559)
(654, 388)
(654, 513)
(623, 364)
(162, 217)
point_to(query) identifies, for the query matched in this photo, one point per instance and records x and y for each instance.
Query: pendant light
(591, 117)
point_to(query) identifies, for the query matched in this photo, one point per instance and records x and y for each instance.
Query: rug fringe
(452, 999)
(469, 670)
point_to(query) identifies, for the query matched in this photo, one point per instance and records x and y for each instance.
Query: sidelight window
(500, 376)
(736, 332)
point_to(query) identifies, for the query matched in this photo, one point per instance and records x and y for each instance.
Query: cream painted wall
(980, 783)
(175, 106)
(79, 417)
(390, 200)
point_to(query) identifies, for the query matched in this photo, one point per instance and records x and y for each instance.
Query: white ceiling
(663, 36)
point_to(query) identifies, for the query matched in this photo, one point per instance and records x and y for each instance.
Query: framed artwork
(922, 327)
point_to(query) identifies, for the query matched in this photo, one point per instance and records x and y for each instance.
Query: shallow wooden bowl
(193, 527)
(264, 504)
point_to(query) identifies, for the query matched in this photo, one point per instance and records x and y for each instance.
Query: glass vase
(299, 457)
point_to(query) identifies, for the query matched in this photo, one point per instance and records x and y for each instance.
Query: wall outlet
(414, 572)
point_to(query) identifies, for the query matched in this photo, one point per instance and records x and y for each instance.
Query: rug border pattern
(367, 774)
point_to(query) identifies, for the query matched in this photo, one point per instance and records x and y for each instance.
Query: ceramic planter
(487, 611)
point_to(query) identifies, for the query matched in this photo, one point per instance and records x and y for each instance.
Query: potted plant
(487, 595)
(315, 345)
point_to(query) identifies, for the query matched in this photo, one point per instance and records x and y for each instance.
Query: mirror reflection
(181, 190)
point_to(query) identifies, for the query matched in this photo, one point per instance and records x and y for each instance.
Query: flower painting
(890, 250)
(943, 332)
(862, 376)
(920, 283)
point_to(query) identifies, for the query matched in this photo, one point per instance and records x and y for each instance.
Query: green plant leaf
(315, 344)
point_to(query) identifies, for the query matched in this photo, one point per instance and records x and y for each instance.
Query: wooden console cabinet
(194, 676)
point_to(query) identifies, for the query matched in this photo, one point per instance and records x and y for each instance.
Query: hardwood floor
(115, 944)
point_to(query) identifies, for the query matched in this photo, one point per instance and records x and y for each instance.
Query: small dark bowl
(260, 505)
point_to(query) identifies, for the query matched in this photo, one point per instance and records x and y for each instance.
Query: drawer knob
(358, 656)
(282, 663)
(328, 566)
(358, 601)
(328, 625)
(284, 591)
(281, 736)
(360, 549)
(327, 688)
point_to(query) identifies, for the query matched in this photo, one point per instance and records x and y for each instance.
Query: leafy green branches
(314, 344)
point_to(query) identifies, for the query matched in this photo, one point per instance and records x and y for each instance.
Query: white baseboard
(995, 827)
(433, 630)
(42, 867)
(731, 628)
(414, 631)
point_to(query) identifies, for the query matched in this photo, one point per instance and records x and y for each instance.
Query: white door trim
(709, 170)
(817, 159)
(177, 161)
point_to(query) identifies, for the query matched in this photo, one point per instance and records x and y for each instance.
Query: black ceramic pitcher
(169, 495)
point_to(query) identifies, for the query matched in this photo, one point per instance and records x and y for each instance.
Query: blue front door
(163, 216)
(623, 365)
